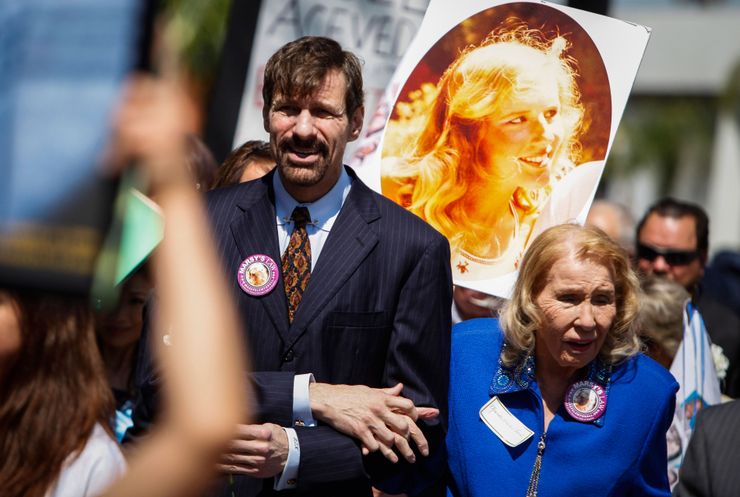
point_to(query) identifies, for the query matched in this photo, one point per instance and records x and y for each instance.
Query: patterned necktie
(296, 262)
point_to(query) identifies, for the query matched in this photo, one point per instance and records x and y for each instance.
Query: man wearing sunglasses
(673, 241)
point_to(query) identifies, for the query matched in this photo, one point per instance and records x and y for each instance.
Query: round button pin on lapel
(585, 401)
(257, 275)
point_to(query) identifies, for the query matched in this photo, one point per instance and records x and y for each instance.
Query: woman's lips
(541, 161)
(541, 158)
(579, 345)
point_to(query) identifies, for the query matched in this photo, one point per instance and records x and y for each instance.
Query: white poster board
(497, 124)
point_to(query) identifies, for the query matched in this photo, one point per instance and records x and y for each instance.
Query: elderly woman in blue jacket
(555, 398)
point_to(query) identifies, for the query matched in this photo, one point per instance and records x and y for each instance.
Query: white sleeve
(301, 402)
(289, 477)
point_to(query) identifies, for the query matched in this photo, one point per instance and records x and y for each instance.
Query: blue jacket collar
(513, 379)
(520, 377)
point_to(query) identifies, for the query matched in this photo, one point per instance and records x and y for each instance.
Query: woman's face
(121, 327)
(10, 331)
(526, 133)
(579, 307)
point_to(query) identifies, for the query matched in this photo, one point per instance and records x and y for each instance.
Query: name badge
(503, 424)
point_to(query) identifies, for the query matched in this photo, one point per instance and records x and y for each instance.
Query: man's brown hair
(298, 69)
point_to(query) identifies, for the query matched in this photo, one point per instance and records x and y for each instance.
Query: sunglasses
(671, 257)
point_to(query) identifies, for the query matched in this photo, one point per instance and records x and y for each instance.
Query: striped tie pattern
(296, 261)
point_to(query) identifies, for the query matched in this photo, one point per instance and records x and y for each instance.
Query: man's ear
(355, 122)
(266, 118)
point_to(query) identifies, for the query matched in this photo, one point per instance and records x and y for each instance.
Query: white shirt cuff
(301, 401)
(289, 477)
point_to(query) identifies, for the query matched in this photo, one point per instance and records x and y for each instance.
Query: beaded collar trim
(513, 379)
(521, 377)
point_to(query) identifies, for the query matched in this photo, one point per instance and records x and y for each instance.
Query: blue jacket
(623, 453)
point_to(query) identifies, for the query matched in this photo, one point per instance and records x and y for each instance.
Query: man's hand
(379, 418)
(259, 451)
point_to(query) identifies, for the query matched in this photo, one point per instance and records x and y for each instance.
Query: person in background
(537, 395)
(673, 241)
(55, 403)
(468, 304)
(200, 162)
(252, 160)
(118, 333)
(615, 220)
(662, 317)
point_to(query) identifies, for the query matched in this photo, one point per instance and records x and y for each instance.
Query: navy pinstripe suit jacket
(711, 467)
(376, 311)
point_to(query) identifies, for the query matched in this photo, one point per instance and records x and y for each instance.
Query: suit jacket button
(289, 355)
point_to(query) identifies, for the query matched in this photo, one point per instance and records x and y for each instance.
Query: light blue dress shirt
(323, 212)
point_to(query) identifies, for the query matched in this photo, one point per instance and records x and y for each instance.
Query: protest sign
(497, 124)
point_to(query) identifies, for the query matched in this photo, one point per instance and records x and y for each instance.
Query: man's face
(473, 304)
(308, 137)
(667, 246)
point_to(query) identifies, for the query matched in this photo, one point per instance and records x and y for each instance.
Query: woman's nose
(586, 318)
(547, 127)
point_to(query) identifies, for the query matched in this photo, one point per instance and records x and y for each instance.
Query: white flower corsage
(721, 362)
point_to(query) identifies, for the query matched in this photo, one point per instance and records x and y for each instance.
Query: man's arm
(380, 418)
(274, 404)
(342, 406)
(273, 391)
(419, 354)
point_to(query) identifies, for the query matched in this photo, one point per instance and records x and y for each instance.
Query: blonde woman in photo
(479, 161)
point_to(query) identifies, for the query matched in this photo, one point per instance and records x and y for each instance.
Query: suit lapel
(350, 241)
(254, 233)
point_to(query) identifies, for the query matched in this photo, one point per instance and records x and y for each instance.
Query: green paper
(143, 229)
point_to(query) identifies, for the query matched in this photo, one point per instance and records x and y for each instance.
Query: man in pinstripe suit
(711, 467)
(372, 326)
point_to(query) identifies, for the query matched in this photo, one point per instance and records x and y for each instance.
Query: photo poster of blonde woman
(497, 124)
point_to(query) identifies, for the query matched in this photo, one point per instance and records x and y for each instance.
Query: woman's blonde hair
(521, 316)
(445, 155)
